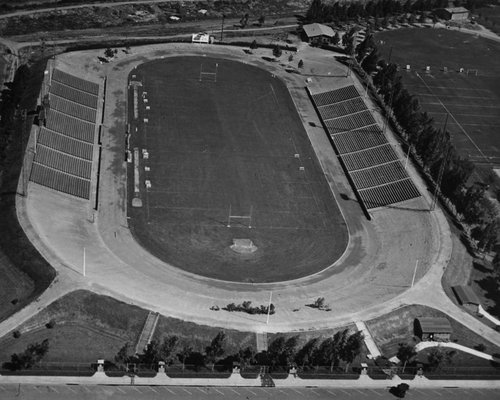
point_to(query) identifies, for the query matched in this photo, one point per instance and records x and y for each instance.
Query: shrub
(16, 334)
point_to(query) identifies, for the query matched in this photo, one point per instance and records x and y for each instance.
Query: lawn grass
(229, 147)
(397, 327)
(88, 327)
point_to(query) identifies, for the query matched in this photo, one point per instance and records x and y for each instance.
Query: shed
(318, 33)
(467, 297)
(433, 328)
(454, 13)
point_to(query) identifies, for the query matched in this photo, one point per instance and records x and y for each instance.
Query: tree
(108, 52)
(369, 64)
(486, 235)
(406, 353)
(438, 356)
(335, 39)
(305, 355)
(168, 349)
(352, 348)
(262, 19)
(319, 302)
(316, 12)
(277, 52)
(246, 356)
(216, 348)
(254, 45)
(152, 353)
(184, 353)
(124, 354)
(301, 64)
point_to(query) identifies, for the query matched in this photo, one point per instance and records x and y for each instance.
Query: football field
(228, 158)
(461, 86)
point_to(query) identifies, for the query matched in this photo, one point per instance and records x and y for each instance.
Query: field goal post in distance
(239, 219)
(208, 76)
(472, 72)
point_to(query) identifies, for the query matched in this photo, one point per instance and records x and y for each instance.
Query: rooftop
(315, 29)
(434, 325)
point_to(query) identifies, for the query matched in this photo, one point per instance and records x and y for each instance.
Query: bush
(16, 334)
(50, 324)
(277, 52)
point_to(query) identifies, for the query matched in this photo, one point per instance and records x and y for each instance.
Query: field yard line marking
(171, 391)
(52, 388)
(255, 394)
(86, 388)
(316, 393)
(459, 105)
(374, 391)
(1, 387)
(187, 391)
(435, 391)
(359, 391)
(137, 390)
(151, 389)
(201, 390)
(347, 393)
(453, 117)
(296, 391)
(218, 391)
(36, 388)
(232, 390)
(120, 389)
(446, 87)
(71, 390)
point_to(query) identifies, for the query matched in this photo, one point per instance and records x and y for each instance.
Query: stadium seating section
(370, 160)
(65, 145)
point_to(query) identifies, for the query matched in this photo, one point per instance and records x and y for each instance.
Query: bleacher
(65, 145)
(369, 159)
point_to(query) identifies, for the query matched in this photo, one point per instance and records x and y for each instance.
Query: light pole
(269, 307)
(414, 274)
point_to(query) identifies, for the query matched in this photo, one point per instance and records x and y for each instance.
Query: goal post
(208, 76)
(245, 220)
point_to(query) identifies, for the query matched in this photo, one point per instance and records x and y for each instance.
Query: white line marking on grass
(71, 390)
(152, 389)
(201, 390)
(218, 391)
(120, 389)
(450, 87)
(435, 391)
(431, 103)
(167, 389)
(454, 119)
(313, 391)
(136, 389)
(52, 388)
(37, 389)
(86, 388)
(359, 391)
(1, 387)
(232, 390)
(453, 95)
(255, 394)
(374, 391)
(347, 393)
(466, 115)
(296, 391)
(187, 391)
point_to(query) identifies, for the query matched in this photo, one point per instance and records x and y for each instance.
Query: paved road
(42, 392)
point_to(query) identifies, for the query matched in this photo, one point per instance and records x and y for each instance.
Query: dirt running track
(371, 278)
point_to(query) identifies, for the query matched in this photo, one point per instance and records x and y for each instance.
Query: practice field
(472, 102)
(229, 149)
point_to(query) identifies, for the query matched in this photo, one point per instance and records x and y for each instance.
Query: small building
(454, 13)
(318, 33)
(433, 328)
(201, 37)
(467, 297)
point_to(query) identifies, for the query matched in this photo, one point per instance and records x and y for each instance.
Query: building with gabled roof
(433, 328)
(318, 33)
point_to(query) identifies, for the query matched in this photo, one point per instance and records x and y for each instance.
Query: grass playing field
(233, 146)
(471, 102)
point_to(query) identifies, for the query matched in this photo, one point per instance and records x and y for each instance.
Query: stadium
(184, 177)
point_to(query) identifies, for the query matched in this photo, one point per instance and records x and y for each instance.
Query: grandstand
(372, 164)
(65, 145)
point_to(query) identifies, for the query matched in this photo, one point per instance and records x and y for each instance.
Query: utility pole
(269, 307)
(222, 28)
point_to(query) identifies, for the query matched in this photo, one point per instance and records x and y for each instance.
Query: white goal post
(231, 218)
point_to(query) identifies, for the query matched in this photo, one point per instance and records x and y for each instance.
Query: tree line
(339, 11)
(340, 349)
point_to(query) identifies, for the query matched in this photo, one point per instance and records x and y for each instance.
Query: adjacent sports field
(471, 102)
(230, 144)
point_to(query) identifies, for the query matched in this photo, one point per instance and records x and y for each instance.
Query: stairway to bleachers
(65, 145)
(369, 159)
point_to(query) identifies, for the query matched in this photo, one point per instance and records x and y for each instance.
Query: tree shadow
(490, 285)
